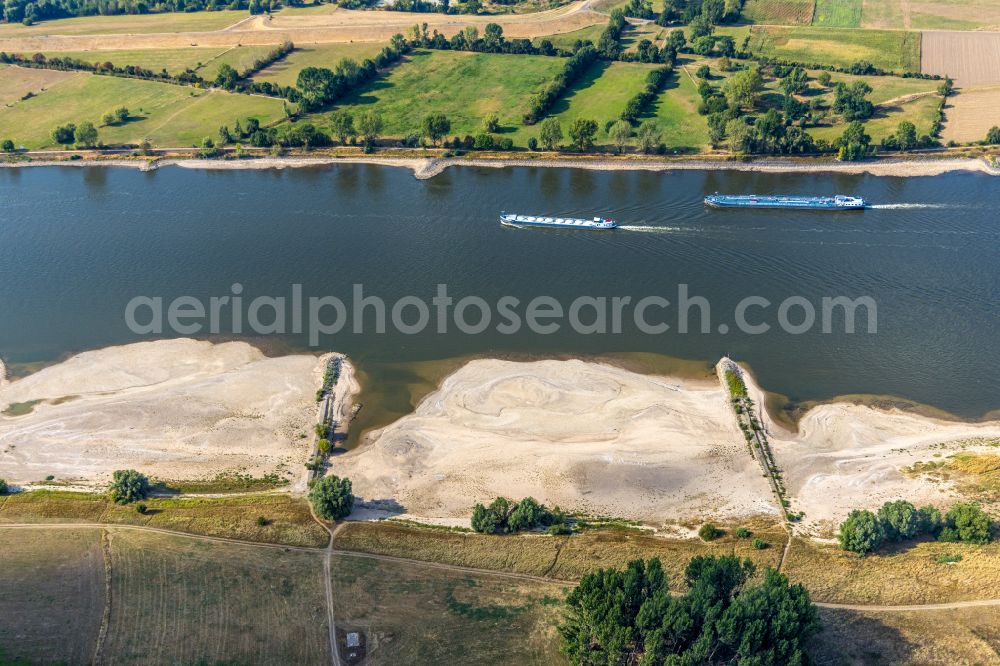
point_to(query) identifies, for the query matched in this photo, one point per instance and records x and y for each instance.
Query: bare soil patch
(51, 595)
(970, 58)
(177, 600)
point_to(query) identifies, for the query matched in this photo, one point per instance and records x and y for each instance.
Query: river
(77, 244)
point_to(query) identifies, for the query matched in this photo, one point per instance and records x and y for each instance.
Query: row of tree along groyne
(750, 420)
(327, 423)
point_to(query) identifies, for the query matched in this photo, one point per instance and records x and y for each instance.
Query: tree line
(865, 532)
(503, 516)
(630, 617)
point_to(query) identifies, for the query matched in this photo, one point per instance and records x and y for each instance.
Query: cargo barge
(597, 223)
(838, 202)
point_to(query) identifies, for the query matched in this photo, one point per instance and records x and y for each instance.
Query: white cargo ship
(515, 220)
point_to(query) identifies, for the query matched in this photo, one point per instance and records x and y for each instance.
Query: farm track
(330, 551)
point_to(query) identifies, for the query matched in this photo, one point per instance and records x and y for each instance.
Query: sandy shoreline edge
(426, 168)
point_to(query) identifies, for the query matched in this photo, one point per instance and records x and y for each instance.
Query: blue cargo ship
(838, 202)
(514, 220)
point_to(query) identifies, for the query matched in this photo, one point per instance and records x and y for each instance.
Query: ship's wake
(911, 206)
(649, 229)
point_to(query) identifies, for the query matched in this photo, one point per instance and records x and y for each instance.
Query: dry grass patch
(287, 518)
(971, 113)
(414, 614)
(179, 600)
(127, 24)
(942, 637)
(564, 558)
(16, 82)
(955, 14)
(908, 574)
(53, 506)
(51, 595)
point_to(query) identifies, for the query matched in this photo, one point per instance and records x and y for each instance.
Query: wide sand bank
(176, 409)
(598, 439)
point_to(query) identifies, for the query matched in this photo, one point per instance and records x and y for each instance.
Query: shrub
(7, 146)
(742, 533)
(900, 520)
(261, 521)
(931, 520)
(968, 523)
(323, 446)
(759, 544)
(993, 136)
(140, 508)
(128, 485)
(331, 497)
(703, 72)
(532, 143)
(3, 487)
(861, 533)
(483, 142)
(709, 531)
(503, 516)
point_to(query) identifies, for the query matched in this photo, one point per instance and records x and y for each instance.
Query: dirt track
(448, 567)
(342, 25)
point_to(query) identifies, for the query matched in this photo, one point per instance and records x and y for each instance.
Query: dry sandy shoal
(176, 409)
(587, 437)
(970, 58)
(971, 113)
(848, 456)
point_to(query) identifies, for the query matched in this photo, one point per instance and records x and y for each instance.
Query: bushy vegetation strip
(574, 68)
(864, 532)
(655, 81)
(630, 616)
(503, 516)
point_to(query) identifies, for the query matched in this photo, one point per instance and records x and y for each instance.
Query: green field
(174, 61)
(466, 87)
(891, 50)
(285, 72)
(676, 114)
(635, 34)
(921, 112)
(168, 115)
(565, 40)
(127, 24)
(601, 95)
(837, 13)
(414, 614)
(783, 12)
